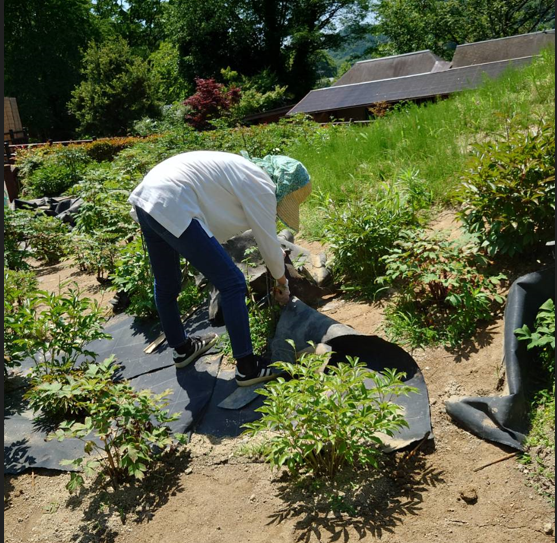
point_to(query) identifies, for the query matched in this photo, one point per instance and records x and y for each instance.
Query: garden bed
(213, 492)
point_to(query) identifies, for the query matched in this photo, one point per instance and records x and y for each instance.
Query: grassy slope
(434, 139)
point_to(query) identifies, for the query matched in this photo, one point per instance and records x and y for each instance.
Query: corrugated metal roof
(377, 69)
(525, 45)
(402, 88)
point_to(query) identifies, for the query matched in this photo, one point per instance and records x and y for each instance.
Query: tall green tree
(441, 25)
(43, 42)
(285, 37)
(118, 88)
(139, 22)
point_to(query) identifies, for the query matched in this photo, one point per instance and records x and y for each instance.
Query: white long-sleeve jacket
(226, 193)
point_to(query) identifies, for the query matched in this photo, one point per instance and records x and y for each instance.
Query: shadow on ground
(368, 502)
(135, 502)
(482, 338)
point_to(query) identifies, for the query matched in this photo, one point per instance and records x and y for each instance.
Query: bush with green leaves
(19, 287)
(125, 431)
(52, 173)
(16, 249)
(96, 254)
(320, 421)
(56, 328)
(443, 290)
(362, 231)
(29, 233)
(105, 206)
(133, 276)
(509, 191)
(48, 238)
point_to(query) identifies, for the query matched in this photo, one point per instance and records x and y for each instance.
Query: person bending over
(191, 203)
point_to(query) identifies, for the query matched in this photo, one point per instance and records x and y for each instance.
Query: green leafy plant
(133, 276)
(509, 191)
(362, 231)
(96, 254)
(542, 338)
(19, 287)
(54, 173)
(442, 294)
(56, 329)
(15, 236)
(47, 238)
(321, 421)
(541, 437)
(124, 432)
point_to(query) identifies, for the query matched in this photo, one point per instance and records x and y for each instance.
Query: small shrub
(361, 233)
(321, 421)
(133, 276)
(56, 329)
(125, 431)
(15, 237)
(19, 287)
(48, 238)
(441, 293)
(96, 254)
(509, 191)
(210, 101)
(54, 172)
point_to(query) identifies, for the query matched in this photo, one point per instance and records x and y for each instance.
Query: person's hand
(281, 293)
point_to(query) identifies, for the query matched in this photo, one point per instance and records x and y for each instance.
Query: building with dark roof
(419, 77)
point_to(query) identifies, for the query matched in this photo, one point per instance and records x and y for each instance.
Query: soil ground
(212, 493)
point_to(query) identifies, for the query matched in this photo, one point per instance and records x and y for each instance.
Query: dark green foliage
(117, 89)
(441, 25)
(130, 428)
(509, 191)
(443, 290)
(43, 49)
(52, 172)
(363, 230)
(251, 36)
(324, 420)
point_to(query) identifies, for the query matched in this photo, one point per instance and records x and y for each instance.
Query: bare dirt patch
(212, 493)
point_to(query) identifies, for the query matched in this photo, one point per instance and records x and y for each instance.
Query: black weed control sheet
(199, 388)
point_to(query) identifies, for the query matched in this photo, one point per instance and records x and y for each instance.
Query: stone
(469, 495)
(548, 529)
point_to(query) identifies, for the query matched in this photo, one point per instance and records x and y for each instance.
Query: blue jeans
(208, 256)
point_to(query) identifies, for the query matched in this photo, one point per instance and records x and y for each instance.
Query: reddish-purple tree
(210, 101)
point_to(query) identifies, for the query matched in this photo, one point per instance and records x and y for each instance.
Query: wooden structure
(419, 77)
(13, 129)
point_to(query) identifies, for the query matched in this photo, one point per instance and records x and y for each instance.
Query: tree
(165, 64)
(139, 22)
(117, 89)
(441, 25)
(43, 41)
(210, 102)
(285, 37)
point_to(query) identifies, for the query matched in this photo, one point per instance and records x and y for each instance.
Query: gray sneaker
(200, 345)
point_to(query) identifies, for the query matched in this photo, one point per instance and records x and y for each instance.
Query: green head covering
(287, 173)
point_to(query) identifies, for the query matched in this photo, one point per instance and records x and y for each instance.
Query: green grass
(434, 138)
